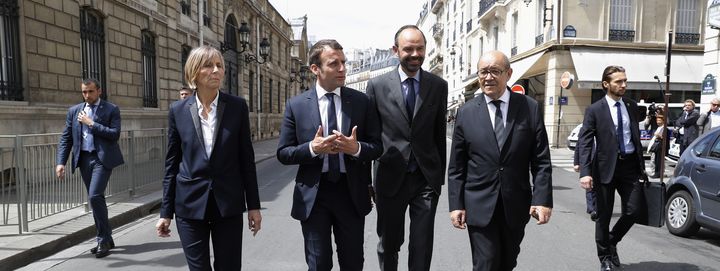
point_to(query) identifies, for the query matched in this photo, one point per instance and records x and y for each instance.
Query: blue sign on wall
(708, 86)
(563, 100)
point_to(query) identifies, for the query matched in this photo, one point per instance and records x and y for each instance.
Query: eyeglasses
(494, 73)
(714, 104)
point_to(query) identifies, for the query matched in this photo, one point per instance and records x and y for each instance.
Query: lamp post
(299, 75)
(245, 44)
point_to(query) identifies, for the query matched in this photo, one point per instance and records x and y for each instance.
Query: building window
(482, 46)
(687, 22)
(621, 20)
(496, 36)
(184, 53)
(279, 105)
(149, 71)
(92, 39)
(469, 59)
(231, 57)
(513, 38)
(10, 80)
(251, 90)
(270, 98)
(185, 7)
(206, 13)
(540, 35)
(260, 94)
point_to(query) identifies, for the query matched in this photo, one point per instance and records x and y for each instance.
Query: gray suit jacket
(704, 123)
(424, 135)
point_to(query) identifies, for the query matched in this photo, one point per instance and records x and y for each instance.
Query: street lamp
(298, 76)
(245, 44)
(453, 53)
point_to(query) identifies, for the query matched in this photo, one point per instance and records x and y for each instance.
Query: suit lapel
(345, 98)
(312, 105)
(218, 120)
(193, 107)
(396, 93)
(424, 92)
(486, 126)
(77, 127)
(514, 105)
(605, 110)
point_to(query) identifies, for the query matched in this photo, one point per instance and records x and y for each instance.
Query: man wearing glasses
(711, 119)
(488, 188)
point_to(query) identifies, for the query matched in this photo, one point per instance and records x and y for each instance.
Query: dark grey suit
(423, 134)
(689, 124)
(493, 185)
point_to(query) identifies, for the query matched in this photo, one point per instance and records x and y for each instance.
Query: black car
(694, 192)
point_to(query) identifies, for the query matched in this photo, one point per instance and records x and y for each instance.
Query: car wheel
(680, 214)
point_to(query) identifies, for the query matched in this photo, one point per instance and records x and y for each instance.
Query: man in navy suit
(489, 186)
(333, 134)
(92, 130)
(610, 128)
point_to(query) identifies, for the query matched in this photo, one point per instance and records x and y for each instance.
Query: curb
(49, 248)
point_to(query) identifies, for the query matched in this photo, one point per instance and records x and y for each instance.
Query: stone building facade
(137, 48)
(545, 38)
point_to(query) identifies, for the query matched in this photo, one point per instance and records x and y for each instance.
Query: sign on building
(708, 86)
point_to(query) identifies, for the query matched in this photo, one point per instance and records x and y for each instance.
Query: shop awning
(641, 67)
(521, 66)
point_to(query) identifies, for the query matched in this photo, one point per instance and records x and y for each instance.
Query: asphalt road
(566, 243)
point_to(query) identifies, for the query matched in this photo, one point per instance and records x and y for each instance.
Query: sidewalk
(72, 227)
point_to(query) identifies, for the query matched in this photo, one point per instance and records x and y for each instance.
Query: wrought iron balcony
(513, 51)
(437, 31)
(687, 38)
(621, 35)
(539, 39)
(436, 5)
(485, 5)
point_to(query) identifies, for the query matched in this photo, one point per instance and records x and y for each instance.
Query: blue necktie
(333, 159)
(410, 107)
(88, 143)
(410, 97)
(620, 132)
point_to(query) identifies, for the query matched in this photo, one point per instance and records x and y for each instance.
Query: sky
(355, 24)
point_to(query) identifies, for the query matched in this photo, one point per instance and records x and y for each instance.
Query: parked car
(645, 137)
(694, 192)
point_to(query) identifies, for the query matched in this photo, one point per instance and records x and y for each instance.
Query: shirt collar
(320, 91)
(95, 104)
(212, 105)
(611, 101)
(505, 97)
(404, 76)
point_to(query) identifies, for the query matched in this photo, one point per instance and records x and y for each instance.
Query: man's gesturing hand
(323, 145)
(345, 144)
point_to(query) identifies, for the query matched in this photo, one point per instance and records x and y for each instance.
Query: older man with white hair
(711, 119)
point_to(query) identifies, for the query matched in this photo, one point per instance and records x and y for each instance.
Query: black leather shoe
(606, 265)
(593, 216)
(614, 258)
(95, 249)
(102, 250)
